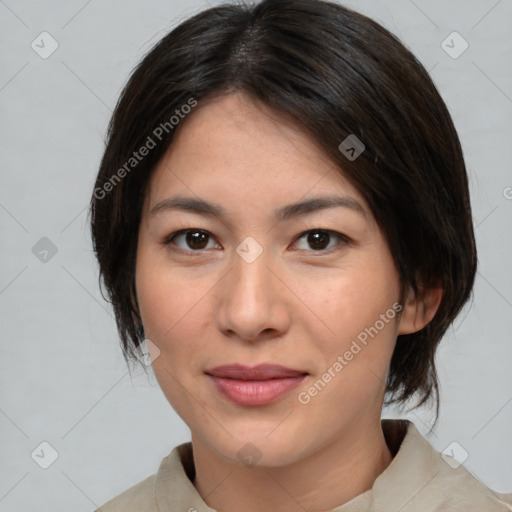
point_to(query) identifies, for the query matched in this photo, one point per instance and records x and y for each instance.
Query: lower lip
(256, 392)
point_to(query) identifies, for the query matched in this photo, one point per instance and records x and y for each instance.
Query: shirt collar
(412, 466)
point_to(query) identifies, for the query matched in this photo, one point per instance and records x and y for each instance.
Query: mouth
(259, 385)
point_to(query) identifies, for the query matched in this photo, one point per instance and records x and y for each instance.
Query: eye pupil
(197, 239)
(318, 239)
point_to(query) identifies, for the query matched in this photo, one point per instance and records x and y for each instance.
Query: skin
(294, 306)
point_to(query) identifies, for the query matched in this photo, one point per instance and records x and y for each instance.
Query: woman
(282, 214)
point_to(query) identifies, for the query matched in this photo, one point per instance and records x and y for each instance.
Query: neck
(332, 476)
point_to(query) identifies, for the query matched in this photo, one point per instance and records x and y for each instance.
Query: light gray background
(63, 379)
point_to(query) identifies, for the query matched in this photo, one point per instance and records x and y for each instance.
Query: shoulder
(425, 480)
(139, 497)
(170, 488)
(457, 489)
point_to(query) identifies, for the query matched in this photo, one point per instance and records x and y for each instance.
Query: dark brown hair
(336, 73)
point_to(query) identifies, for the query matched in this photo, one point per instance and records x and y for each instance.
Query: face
(249, 280)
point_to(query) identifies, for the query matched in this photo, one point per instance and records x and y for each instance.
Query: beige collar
(417, 479)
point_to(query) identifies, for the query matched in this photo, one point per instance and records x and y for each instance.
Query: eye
(321, 239)
(194, 239)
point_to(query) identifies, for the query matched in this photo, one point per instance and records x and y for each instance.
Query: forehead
(231, 147)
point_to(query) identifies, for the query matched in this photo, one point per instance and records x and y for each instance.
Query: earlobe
(419, 309)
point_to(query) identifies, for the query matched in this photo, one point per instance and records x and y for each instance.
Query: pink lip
(260, 385)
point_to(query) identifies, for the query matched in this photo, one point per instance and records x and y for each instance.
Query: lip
(258, 385)
(262, 371)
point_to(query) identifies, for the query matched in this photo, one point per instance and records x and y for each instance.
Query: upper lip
(259, 372)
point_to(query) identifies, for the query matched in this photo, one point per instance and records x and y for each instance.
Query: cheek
(173, 317)
(351, 315)
(174, 312)
(346, 301)
(354, 371)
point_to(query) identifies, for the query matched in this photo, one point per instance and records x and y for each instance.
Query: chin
(257, 448)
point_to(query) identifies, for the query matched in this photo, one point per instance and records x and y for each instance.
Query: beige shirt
(417, 480)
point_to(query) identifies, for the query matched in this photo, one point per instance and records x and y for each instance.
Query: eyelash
(342, 238)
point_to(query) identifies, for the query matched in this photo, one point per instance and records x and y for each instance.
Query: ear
(419, 309)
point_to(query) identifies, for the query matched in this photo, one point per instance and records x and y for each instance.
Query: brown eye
(196, 239)
(318, 239)
(321, 239)
(189, 240)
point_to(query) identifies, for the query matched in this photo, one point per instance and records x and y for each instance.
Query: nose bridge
(251, 302)
(252, 274)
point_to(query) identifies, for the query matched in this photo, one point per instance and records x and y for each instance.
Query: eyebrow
(284, 213)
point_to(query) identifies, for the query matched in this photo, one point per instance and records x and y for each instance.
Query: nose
(254, 302)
